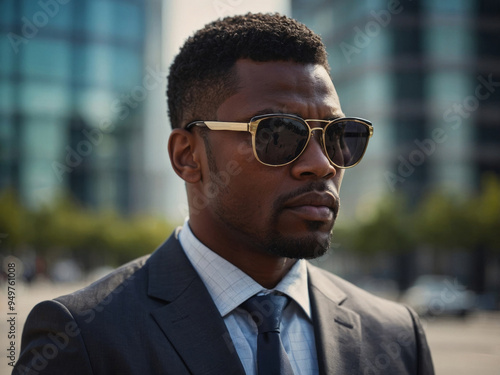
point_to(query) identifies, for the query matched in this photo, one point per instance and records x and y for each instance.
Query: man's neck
(266, 269)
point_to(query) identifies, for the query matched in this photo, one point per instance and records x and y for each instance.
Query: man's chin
(304, 247)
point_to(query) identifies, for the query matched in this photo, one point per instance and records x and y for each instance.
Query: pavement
(469, 346)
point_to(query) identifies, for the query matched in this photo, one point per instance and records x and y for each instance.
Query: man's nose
(313, 163)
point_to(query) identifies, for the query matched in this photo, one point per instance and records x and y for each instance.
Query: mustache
(319, 186)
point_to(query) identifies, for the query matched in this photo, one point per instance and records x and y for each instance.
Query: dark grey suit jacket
(155, 316)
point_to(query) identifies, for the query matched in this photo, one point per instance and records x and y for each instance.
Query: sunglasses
(279, 139)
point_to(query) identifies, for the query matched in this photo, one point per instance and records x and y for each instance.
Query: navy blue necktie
(266, 312)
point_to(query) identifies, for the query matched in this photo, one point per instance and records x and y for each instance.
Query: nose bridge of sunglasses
(316, 133)
(316, 124)
(315, 139)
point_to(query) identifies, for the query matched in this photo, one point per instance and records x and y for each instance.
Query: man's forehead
(296, 73)
(285, 86)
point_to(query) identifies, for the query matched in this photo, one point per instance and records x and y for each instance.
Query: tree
(66, 229)
(390, 229)
(12, 221)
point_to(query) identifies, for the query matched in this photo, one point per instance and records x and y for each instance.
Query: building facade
(75, 81)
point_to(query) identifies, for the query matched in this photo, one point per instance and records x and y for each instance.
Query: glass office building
(426, 74)
(73, 87)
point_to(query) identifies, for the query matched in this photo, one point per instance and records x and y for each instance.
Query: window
(127, 69)
(99, 65)
(7, 13)
(37, 181)
(449, 7)
(46, 58)
(6, 98)
(128, 21)
(44, 98)
(99, 18)
(43, 138)
(114, 19)
(7, 54)
(449, 41)
(48, 14)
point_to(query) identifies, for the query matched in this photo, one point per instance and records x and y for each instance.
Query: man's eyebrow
(335, 117)
(266, 111)
(269, 111)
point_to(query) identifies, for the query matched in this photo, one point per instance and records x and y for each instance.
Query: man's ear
(183, 149)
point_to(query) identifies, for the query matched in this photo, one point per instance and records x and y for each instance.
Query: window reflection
(46, 58)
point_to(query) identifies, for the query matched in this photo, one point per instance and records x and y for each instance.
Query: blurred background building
(77, 95)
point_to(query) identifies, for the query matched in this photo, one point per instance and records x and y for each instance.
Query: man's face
(288, 211)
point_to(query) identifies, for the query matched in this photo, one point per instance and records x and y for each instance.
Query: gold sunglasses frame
(253, 124)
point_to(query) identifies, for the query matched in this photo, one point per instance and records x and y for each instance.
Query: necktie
(266, 312)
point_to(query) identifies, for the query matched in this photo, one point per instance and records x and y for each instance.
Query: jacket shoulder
(367, 305)
(124, 277)
(390, 331)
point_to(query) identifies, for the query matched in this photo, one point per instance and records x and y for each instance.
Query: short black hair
(202, 76)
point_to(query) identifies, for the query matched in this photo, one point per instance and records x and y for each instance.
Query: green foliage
(66, 228)
(446, 222)
(441, 221)
(12, 219)
(390, 229)
(485, 211)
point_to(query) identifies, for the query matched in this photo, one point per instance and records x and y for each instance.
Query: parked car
(434, 295)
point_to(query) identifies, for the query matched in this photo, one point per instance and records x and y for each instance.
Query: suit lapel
(336, 328)
(190, 320)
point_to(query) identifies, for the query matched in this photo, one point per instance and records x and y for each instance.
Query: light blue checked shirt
(229, 287)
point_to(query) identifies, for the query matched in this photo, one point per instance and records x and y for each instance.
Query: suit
(155, 316)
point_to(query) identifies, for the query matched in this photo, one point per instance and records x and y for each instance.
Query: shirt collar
(229, 286)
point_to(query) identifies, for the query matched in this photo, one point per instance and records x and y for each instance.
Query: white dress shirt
(229, 287)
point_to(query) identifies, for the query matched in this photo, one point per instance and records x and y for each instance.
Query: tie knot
(266, 311)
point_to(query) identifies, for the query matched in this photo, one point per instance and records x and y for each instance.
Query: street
(469, 346)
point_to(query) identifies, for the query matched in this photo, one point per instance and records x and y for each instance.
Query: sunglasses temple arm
(231, 126)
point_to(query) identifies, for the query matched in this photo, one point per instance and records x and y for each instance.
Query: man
(262, 187)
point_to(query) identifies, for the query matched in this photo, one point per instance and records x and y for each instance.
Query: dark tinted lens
(345, 142)
(279, 140)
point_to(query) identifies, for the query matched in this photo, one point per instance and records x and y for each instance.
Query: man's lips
(313, 206)
(313, 213)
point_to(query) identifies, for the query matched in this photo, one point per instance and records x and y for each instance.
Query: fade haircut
(202, 75)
